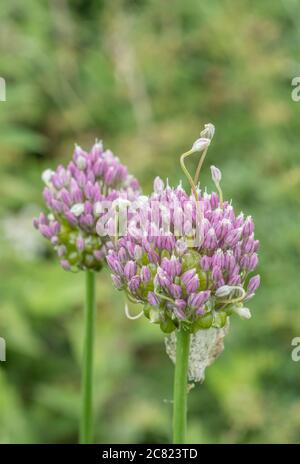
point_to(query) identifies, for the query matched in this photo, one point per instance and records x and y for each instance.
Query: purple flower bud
(210, 240)
(234, 280)
(253, 285)
(217, 259)
(145, 274)
(152, 299)
(162, 278)
(205, 263)
(187, 276)
(248, 227)
(134, 284)
(197, 300)
(114, 264)
(217, 273)
(122, 255)
(130, 269)
(45, 231)
(229, 261)
(117, 281)
(244, 262)
(175, 291)
(253, 261)
(233, 237)
(172, 266)
(248, 244)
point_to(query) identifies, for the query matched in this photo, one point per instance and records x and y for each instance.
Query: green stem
(86, 420)
(180, 386)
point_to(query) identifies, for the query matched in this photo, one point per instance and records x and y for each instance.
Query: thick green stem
(86, 420)
(180, 387)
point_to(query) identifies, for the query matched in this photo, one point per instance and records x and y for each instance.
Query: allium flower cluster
(74, 196)
(197, 286)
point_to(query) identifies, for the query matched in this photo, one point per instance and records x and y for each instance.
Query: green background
(145, 76)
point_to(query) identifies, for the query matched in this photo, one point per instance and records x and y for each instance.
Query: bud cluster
(74, 197)
(199, 286)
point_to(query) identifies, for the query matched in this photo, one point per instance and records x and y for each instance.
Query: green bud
(203, 322)
(73, 258)
(220, 319)
(167, 326)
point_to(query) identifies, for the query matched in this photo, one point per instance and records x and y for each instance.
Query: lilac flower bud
(196, 300)
(229, 261)
(248, 227)
(193, 284)
(152, 299)
(71, 218)
(233, 237)
(253, 285)
(130, 269)
(172, 266)
(218, 258)
(45, 231)
(210, 240)
(216, 174)
(117, 281)
(253, 261)
(163, 278)
(239, 221)
(217, 273)
(114, 264)
(145, 274)
(187, 276)
(205, 263)
(249, 244)
(234, 280)
(244, 262)
(175, 291)
(134, 284)
(122, 255)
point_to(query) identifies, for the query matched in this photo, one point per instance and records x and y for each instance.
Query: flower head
(179, 280)
(74, 196)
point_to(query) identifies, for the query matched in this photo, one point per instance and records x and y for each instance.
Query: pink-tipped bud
(216, 174)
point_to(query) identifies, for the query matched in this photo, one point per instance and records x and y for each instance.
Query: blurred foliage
(145, 76)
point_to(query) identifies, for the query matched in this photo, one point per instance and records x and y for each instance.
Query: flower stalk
(180, 387)
(86, 420)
